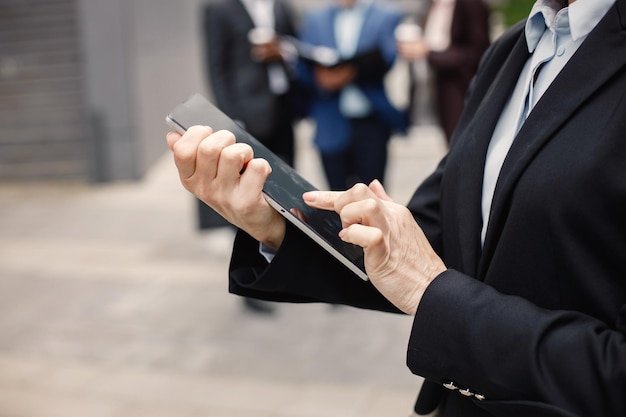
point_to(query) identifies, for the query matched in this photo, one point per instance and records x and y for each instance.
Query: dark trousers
(364, 159)
(281, 140)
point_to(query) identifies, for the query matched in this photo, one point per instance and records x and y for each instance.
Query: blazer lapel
(472, 146)
(327, 24)
(578, 80)
(366, 37)
(243, 11)
(281, 19)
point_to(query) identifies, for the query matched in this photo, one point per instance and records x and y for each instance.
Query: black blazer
(534, 322)
(241, 85)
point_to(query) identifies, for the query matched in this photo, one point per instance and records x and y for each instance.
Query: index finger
(185, 149)
(324, 200)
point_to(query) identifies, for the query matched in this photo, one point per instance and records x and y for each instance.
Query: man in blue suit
(354, 118)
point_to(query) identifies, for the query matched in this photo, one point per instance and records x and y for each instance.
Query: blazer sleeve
(300, 272)
(516, 356)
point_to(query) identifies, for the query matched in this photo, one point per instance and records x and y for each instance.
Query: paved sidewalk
(111, 305)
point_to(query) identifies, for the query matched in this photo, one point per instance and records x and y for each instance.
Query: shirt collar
(584, 15)
(252, 3)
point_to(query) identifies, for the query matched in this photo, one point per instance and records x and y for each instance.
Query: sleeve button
(450, 385)
(466, 392)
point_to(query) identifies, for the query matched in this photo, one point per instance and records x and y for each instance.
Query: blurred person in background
(353, 116)
(250, 77)
(251, 81)
(455, 36)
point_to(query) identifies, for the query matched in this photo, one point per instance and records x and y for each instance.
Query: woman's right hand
(226, 176)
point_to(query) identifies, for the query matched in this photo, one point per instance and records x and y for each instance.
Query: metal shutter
(42, 129)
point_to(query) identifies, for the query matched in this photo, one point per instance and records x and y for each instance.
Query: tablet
(284, 187)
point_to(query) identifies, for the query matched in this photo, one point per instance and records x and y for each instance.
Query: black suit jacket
(533, 323)
(240, 84)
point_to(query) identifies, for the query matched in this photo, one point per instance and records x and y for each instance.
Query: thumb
(172, 138)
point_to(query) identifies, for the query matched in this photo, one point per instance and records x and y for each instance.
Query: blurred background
(84, 83)
(111, 303)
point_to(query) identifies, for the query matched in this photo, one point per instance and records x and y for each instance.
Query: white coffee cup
(408, 32)
(261, 36)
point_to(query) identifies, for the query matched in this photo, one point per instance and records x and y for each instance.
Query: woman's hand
(399, 260)
(226, 176)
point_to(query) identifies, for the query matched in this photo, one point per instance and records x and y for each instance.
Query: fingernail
(342, 233)
(309, 196)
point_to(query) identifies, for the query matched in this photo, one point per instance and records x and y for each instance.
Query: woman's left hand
(399, 260)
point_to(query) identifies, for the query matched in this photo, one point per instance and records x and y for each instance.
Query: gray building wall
(85, 84)
(41, 89)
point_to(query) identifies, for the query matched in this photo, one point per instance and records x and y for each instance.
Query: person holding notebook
(353, 116)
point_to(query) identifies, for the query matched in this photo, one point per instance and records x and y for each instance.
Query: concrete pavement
(111, 305)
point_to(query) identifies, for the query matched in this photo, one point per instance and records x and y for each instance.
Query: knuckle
(260, 166)
(370, 205)
(237, 153)
(199, 130)
(236, 149)
(224, 136)
(206, 148)
(360, 188)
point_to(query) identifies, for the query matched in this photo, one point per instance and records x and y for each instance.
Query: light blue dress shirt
(348, 26)
(553, 35)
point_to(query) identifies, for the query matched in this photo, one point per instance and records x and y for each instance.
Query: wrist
(421, 290)
(273, 235)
